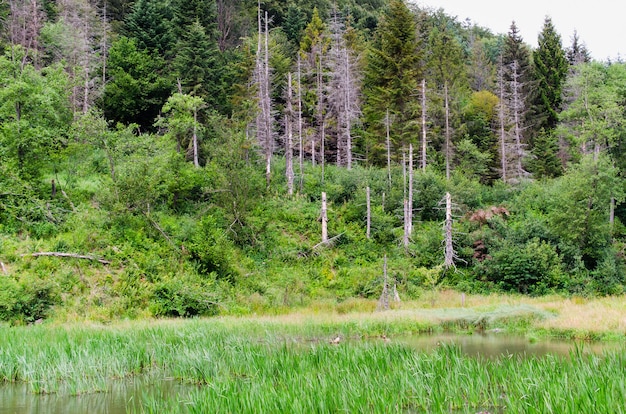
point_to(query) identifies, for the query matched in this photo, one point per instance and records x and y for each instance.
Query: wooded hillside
(180, 158)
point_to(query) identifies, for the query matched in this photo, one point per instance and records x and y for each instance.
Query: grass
(247, 365)
(286, 363)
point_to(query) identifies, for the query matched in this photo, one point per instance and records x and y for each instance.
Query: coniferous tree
(577, 52)
(550, 69)
(393, 71)
(149, 24)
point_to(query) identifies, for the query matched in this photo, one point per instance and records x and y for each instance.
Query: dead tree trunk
(369, 212)
(448, 140)
(288, 141)
(196, 162)
(300, 139)
(424, 144)
(383, 302)
(387, 126)
(324, 219)
(449, 254)
(410, 191)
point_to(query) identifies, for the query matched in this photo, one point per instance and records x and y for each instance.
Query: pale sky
(599, 23)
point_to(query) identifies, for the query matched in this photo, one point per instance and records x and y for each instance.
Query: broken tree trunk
(383, 302)
(324, 219)
(369, 212)
(448, 247)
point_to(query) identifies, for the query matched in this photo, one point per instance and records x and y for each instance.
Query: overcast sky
(599, 23)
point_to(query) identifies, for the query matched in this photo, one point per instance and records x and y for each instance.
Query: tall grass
(260, 366)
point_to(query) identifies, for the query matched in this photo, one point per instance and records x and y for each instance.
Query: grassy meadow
(293, 362)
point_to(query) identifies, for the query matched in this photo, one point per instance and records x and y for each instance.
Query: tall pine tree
(550, 71)
(392, 77)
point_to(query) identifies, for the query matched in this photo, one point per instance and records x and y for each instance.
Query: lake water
(126, 396)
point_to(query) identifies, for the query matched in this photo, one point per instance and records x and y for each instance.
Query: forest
(187, 158)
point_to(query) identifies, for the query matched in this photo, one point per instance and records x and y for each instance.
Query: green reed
(252, 366)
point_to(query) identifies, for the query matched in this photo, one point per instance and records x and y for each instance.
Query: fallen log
(72, 255)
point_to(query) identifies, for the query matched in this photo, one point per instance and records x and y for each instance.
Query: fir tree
(392, 77)
(550, 71)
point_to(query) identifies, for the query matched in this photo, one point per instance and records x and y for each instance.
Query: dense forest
(181, 158)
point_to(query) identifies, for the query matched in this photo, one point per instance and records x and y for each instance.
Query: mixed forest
(194, 157)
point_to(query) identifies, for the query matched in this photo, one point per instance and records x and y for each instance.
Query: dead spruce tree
(264, 119)
(289, 115)
(344, 90)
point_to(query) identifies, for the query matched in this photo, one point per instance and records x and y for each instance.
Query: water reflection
(121, 397)
(498, 345)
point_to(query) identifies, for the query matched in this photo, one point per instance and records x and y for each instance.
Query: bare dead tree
(344, 90)
(264, 119)
(289, 138)
(448, 132)
(388, 141)
(511, 113)
(324, 218)
(25, 20)
(424, 141)
(449, 254)
(410, 192)
(383, 302)
(369, 212)
(300, 137)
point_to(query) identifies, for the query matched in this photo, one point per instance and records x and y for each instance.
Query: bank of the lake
(329, 358)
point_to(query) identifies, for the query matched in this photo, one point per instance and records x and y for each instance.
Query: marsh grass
(290, 365)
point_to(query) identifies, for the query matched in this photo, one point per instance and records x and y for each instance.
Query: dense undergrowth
(182, 241)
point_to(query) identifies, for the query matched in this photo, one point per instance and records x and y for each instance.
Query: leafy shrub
(530, 268)
(183, 297)
(27, 299)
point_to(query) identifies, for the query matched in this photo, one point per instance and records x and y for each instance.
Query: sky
(599, 23)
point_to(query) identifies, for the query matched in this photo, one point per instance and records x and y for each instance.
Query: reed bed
(257, 365)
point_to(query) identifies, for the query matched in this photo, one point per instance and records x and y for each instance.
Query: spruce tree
(392, 78)
(149, 25)
(550, 71)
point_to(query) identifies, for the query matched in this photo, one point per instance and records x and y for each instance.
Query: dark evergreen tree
(392, 78)
(138, 86)
(295, 22)
(545, 161)
(550, 72)
(188, 12)
(197, 65)
(149, 25)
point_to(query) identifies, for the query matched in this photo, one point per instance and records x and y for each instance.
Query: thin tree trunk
(410, 192)
(324, 219)
(369, 212)
(388, 149)
(449, 248)
(288, 145)
(347, 103)
(448, 143)
(383, 302)
(300, 139)
(268, 128)
(196, 161)
(424, 144)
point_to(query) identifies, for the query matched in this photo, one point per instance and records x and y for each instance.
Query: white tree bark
(424, 142)
(369, 212)
(324, 219)
(289, 140)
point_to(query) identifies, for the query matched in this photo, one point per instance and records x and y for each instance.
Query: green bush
(534, 267)
(27, 300)
(183, 296)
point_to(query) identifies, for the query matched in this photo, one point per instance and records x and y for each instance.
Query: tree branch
(61, 254)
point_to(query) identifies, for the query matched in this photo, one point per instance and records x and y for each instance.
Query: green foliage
(212, 251)
(34, 113)
(183, 296)
(534, 267)
(550, 70)
(26, 299)
(138, 86)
